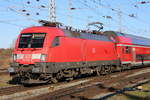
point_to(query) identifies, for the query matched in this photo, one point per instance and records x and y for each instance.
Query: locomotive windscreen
(32, 40)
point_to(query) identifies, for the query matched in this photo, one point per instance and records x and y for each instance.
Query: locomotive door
(127, 54)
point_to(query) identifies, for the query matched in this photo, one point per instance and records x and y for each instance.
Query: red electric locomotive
(48, 54)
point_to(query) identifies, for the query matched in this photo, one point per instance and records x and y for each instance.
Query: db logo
(93, 50)
(27, 57)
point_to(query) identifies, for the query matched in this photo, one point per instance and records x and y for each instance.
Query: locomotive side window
(55, 42)
(127, 49)
(32, 40)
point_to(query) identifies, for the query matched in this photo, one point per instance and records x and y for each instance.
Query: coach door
(83, 50)
(133, 55)
(127, 54)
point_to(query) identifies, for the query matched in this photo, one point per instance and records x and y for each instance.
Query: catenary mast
(52, 9)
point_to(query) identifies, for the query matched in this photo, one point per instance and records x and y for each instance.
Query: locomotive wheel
(15, 80)
(110, 69)
(98, 71)
(54, 80)
(124, 67)
(60, 75)
(105, 70)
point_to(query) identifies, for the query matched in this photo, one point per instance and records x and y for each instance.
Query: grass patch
(4, 80)
(134, 95)
(5, 57)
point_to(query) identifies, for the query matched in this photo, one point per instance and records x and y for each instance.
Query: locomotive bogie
(26, 74)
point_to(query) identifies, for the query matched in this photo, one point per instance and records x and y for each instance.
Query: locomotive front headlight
(17, 56)
(14, 57)
(11, 70)
(43, 57)
(20, 56)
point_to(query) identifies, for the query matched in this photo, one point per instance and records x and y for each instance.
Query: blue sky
(13, 19)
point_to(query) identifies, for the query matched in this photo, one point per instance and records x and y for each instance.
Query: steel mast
(52, 9)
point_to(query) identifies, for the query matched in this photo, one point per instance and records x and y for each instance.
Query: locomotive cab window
(128, 49)
(56, 42)
(32, 40)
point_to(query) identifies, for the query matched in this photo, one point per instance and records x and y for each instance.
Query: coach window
(127, 49)
(122, 49)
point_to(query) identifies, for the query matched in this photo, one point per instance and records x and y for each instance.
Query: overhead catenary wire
(77, 18)
(95, 4)
(16, 11)
(29, 9)
(4, 22)
(113, 9)
(95, 11)
(133, 17)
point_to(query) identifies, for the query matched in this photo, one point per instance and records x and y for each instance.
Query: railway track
(80, 88)
(21, 91)
(100, 87)
(3, 71)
